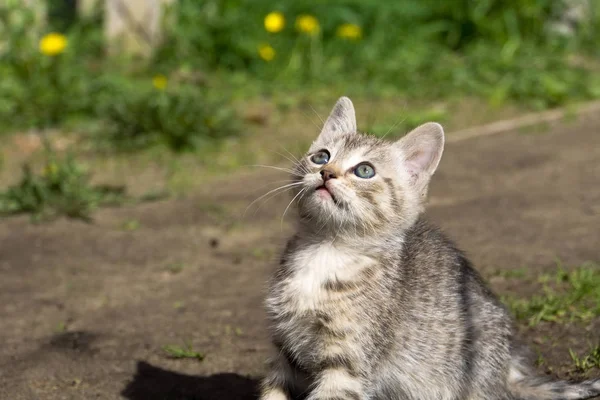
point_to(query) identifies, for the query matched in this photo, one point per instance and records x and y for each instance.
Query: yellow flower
(50, 170)
(349, 31)
(266, 52)
(274, 22)
(307, 24)
(53, 44)
(159, 81)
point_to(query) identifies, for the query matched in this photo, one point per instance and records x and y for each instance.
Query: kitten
(372, 302)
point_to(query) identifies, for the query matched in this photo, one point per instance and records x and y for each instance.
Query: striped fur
(370, 301)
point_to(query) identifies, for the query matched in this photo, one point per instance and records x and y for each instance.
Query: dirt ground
(85, 309)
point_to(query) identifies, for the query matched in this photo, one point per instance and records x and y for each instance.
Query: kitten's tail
(524, 386)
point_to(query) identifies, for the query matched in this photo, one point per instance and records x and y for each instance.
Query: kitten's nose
(327, 174)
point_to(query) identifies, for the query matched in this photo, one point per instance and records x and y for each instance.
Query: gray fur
(370, 301)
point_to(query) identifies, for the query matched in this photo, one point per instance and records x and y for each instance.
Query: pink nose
(327, 175)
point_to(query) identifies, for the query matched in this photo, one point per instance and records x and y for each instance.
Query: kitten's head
(359, 183)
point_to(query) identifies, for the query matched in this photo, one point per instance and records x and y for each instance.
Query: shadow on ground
(153, 383)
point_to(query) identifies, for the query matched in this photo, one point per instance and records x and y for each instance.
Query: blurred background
(220, 78)
(137, 136)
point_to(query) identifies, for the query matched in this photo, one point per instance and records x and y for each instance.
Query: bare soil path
(85, 309)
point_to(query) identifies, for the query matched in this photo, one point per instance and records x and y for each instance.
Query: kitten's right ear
(422, 150)
(342, 120)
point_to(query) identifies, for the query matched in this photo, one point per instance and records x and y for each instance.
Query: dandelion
(274, 22)
(50, 169)
(53, 44)
(159, 81)
(307, 24)
(349, 31)
(266, 52)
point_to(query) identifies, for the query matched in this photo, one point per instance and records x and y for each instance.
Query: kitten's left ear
(421, 152)
(342, 120)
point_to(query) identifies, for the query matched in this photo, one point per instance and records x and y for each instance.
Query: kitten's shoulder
(426, 245)
(425, 237)
(428, 248)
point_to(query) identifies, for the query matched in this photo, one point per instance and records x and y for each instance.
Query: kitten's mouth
(325, 192)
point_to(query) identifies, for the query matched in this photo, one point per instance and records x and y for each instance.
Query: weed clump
(588, 361)
(186, 351)
(182, 119)
(61, 188)
(567, 296)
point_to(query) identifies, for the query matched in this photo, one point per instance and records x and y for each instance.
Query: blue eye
(320, 157)
(364, 171)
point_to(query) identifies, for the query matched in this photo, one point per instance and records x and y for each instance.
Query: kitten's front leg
(338, 384)
(275, 386)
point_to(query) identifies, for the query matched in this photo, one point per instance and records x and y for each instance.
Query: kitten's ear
(341, 120)
(421, 152)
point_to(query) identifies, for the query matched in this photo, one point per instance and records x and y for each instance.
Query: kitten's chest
(318, 272)
(322, 299)
(320, 276)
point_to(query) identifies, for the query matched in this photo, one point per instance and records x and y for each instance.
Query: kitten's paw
(337, 384)
(274, 394)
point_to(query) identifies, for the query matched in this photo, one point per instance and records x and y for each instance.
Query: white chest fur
(313, 266)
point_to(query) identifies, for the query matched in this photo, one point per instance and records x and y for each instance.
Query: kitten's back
(448, 324)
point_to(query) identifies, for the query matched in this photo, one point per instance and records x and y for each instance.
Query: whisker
(326, 221)
(399, 121)
(290, 203)
(287, 158)
(296, 163)
(289, 152)
(310, 119)
(396, 123)
(289, 185)
(272, 183)
(288, 170)
(266, 200)
(317, 114)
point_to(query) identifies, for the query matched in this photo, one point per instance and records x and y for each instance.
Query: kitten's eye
(321, 157)
(364, 171)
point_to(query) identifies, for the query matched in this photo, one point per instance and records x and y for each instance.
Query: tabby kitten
(370, 301)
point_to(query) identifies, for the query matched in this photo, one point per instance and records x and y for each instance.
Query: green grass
(417, 49)
(178, 305)
(61, 327)
(175, 351)
(540, 360)
(175, 267)
(516, 273)
(499, 51)
(61, 188)
(131, 225)
(82, 88)
(262, 253)
(421, 59)
(588, 361)
(178, 117)
(237, 331)
(213, 209)
(568, 295)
